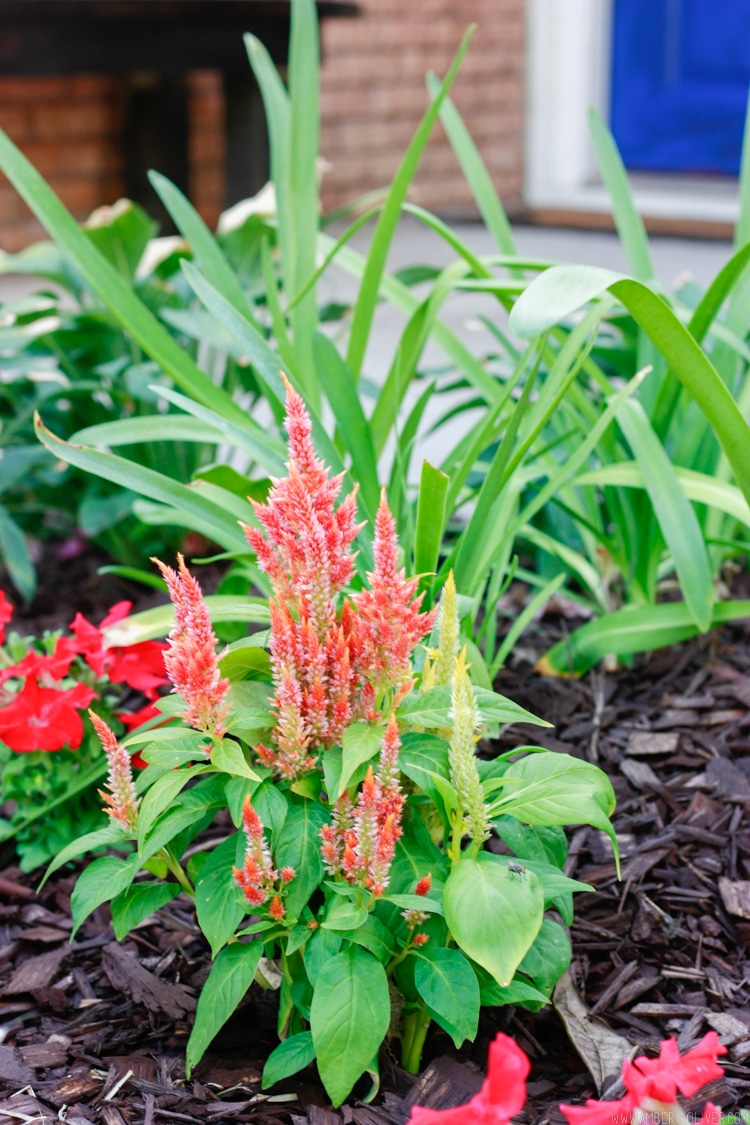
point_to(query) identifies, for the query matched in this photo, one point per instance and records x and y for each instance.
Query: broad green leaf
(424, 760)
(218, 902)
(448, 985)
(415, 902)
(561, 290)
(677, 520)
(548, 957)
(349, 1017)
(227, 756)
(531, 841)
(360, 742)
(250, 706)
(246, 659)
(160, 427)
(291, 1056)
(517, 992)
(186, 811)
(299, 847)
(630, 630)
(342, 914)
(376, 937)
(495, 708)
(137, 902)
(426, 708)
(100, 882)
(157, 622)
(110, 835)
(552, 789)
(554, 882)
(161, 795)
(493, 916)
(320, 949)
(232, 974)
(121, 233)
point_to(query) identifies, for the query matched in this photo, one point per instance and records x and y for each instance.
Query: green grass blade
(148, 483)
(475, 171)
(698, 487)
(368, 293)
(208, 254)
(717, 293)
(562, 289)
(159, 427)
(629, 223)
(106, 282)
(339, 388)
(283, 343)
(631, 630)
(157, 622)
(433, 489)
(677, 520)
(525, 617)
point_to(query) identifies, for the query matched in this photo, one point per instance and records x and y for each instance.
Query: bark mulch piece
(100, 1028)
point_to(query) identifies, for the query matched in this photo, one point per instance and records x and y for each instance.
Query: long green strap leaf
(208, 253)
(106, 282)
(367, 297)
(717, 293)
(631, 630)
(561, 290)
(433, 489)
(145, 481)
(677, 520)
(629, 223)
(475, 171)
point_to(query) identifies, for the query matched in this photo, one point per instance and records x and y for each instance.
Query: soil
(94, 1031)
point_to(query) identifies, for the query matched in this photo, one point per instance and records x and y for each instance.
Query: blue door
(680, 77)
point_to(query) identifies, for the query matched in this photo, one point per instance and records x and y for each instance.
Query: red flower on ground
(43, 718)
(656, 1080)
(503, 1092)
(6, 612)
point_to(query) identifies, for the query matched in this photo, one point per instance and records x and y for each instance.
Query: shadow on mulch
(96, 1031)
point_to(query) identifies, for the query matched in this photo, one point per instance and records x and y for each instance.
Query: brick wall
(373, 96)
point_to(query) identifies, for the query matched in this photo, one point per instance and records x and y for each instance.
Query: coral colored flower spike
(191, 660)
(121, 803)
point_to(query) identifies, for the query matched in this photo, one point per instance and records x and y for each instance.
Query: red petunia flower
(54, 666)
(502, 1095)
(140, 666)
(656, 1080)
(6, 612)
(43, 718)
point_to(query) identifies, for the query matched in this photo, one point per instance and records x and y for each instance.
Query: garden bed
(100, 1028)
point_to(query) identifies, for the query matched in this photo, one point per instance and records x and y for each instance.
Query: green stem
(174, 866)
(412, 1042)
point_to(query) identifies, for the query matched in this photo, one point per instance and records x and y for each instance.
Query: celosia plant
(46, 687)
(360, 865)
(651, 1084)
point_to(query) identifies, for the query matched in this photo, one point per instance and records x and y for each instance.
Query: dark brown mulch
(100, 1029)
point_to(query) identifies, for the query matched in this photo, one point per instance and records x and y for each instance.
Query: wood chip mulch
(95, 1032)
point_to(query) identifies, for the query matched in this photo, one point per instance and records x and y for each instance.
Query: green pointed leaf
(493, 916)
(448, 985)
(219, 903)
(100, 882)
(232, 974)
(299, 847)
(291, 1056)
(548, 958)
(137, 902)
(349, 1017)
(360, 743)
(227, 756)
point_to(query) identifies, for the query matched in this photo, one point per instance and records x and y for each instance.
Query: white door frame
(568, 57)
